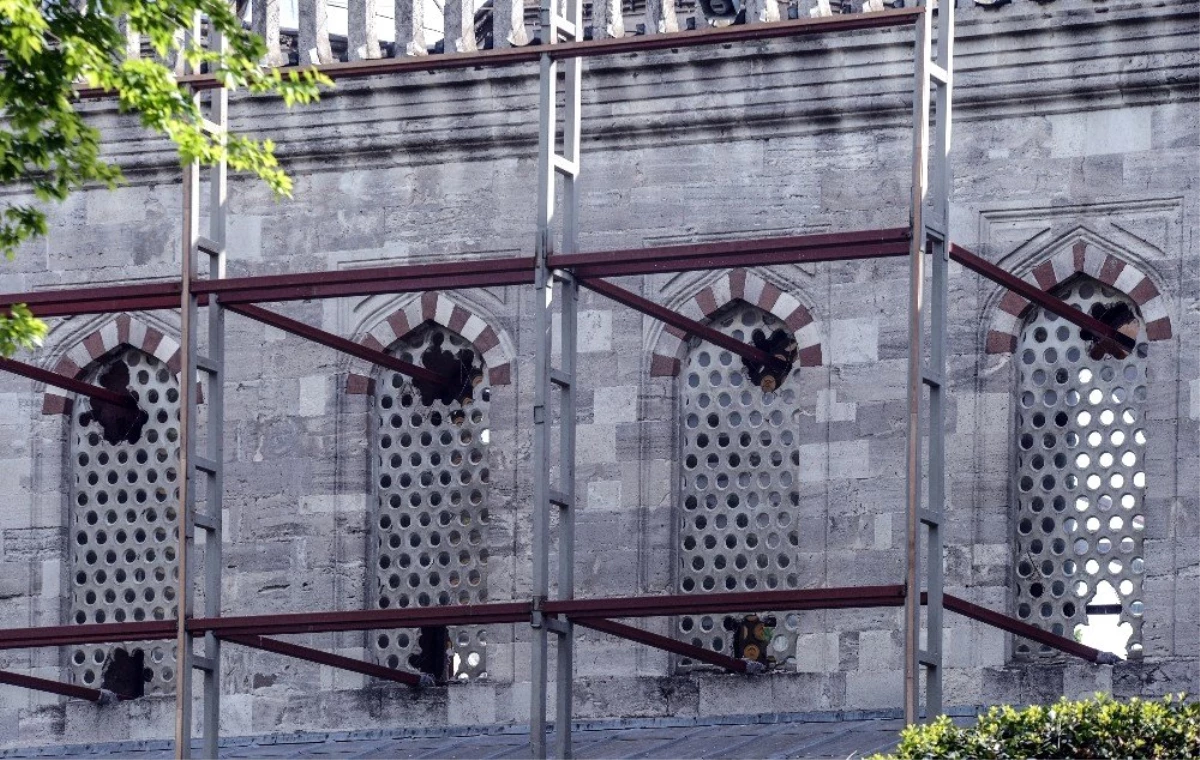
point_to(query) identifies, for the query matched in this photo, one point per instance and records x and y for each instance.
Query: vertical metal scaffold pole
(208, 465)
(931, 186)
(556, 27)
(937, 230)
(569, 169)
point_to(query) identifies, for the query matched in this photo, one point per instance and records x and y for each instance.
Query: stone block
(594, 332)
(51, 578)
(351, 505)
(829, 409)
(833, 461)
(817, 652)
(883, 531)
(962, 687)
(881, 650)
(867, 689)
(615, 404)
(116, 208)
(1082, 680)
(853, 341)
(1101, 132)
(604, 495)
(31, 543)
(596, 443)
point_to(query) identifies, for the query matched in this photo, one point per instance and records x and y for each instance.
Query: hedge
(1091, 728)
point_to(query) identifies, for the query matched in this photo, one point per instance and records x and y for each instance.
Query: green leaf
(1097, 727)
(47, 145)
(20, 330)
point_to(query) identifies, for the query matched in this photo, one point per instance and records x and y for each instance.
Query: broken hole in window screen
(1121, 317)
(431, 518)
(1080, 480)
(738, 495)
(460, 371)
(117, 423)
(123, 673)
(781, 346)
(123, 515)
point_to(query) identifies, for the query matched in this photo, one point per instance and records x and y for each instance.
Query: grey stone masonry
(313, 41)
(264, 16)
(362, 33)
(459, 25)
(1077, 135)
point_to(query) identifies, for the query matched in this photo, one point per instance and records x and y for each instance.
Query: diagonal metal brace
(677, 320)
(1106, 334)
(664, 643)
(94, 392)
(335, 342)
(1021, 628)
(326, 658)
(56, 687)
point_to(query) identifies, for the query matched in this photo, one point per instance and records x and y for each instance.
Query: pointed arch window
(429, 538)
(123, 536)
(739, 494)
(1081, 480)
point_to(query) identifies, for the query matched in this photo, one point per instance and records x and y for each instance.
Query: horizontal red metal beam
(589, 613)
(336, 342)
(470, 614)
(474, 273)
(70, 306)
(363, 620)
(520, 270)
(1040, 297)
(325, 658)
(90, 633)
(795, 249)
(1019, 627)
(65, 383)
(750, 601)
(51, 687)
(334, 288)
(531, 54)
(82, 293)
(586, 612)
(114, 306)
(623, 631)
(394, 275)
(103, 299)
(665, 315)
(518, 612)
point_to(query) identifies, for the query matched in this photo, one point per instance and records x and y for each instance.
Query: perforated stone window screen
(123, 520)
(1080, 474)
(431, 478)
(737, 516)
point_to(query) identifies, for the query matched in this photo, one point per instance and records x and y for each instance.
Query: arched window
(431, 520)
(739, 497)
(1080, 475)
(124, 473)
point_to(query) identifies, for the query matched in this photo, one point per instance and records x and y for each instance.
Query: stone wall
(1075, 131)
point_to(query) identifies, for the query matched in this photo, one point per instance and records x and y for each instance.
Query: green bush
(1098, 727)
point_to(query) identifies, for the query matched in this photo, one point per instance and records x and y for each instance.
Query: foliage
(50, 47)
(20, 330)
(1097, 727)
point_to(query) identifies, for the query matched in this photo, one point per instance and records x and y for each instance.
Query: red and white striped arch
(738, 285)
(124, 329)
(1080, 259)
(439, 308)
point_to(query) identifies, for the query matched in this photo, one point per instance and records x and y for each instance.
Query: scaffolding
(556, 271)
